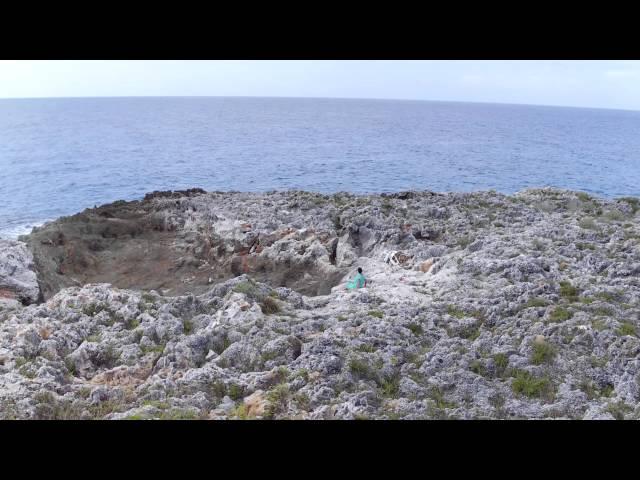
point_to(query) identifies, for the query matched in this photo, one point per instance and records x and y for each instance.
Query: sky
(583, 83)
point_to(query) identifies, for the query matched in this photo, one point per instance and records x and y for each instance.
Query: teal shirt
(357, 282)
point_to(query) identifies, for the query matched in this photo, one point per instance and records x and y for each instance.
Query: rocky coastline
(231, 305)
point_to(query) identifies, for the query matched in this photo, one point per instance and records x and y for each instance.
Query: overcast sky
(604, 84)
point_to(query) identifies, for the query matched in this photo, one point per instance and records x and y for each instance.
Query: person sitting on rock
(358, 282)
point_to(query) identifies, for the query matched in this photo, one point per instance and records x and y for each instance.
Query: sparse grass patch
(240, 411)
(604, 311)
(437, 396)
(188, 326)
(160, 405)
(303, 400)
(610, 296)
(627, 328)
(542, 353)
(247, 287)
(269, 306)
(568, 291)
(526, 384)
(598, 362)
(464, 241)
(179, 414)
(477, 367)
(341, 318)
(375, 313)
(415, 328)
(535, 302)
(587, 223)
(390, 386)
(614, 215)
(235, 392)
(538, 244)
(501, 362)
(584, 197)
(618, 409)
(361, 368)
(560, 314)
(598, 324)
(366, 348)
(633, 202)
(278, 397)
(92, 309)
(20, 361)
(153, 348)
(455, 312)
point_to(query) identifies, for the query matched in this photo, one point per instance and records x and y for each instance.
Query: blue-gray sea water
(59, 156)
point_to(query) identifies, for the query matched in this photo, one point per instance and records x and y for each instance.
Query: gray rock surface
(18, 279)
(529, 308)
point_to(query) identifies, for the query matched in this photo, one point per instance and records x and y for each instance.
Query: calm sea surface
(59, 156)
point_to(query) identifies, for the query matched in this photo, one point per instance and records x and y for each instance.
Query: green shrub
(376, 313)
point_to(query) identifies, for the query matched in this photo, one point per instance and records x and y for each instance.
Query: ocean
(59, 156)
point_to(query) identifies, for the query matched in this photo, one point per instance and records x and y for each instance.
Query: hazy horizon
(322, 98)
(601, 84)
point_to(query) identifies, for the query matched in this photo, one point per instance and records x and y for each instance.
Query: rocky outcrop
(478, 306)
(18, 281)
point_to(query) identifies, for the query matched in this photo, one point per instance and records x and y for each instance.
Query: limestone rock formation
(196, 305)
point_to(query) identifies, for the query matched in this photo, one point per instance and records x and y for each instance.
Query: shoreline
(15, 231)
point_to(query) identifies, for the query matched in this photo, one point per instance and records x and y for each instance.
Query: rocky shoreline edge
(230, 305)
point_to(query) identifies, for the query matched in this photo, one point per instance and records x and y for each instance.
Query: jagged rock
(18, 280)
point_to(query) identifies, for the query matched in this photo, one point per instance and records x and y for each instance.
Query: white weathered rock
(18, 280)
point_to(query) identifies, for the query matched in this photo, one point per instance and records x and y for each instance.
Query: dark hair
(359, 270)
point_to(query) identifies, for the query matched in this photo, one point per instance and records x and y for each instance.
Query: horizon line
(322, 98)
